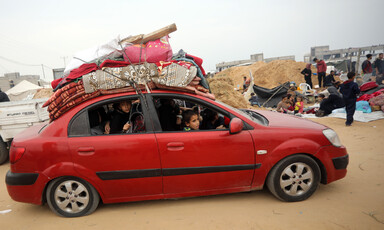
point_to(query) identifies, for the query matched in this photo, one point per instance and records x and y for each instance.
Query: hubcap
(71, 196)
(296, 179)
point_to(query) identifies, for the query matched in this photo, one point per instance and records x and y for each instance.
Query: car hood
(285, 120)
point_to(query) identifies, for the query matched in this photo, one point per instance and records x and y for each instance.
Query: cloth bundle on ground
(367, 97)
(378, 100)
(367, 86)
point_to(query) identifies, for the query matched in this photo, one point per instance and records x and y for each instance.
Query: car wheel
(3, 151)
(72, 197)
(294, 178)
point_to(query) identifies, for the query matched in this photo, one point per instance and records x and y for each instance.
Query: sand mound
(222, 88)
(237, 73)
(266, 75)
(43, 93)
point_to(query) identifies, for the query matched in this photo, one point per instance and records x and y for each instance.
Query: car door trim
(142, 173)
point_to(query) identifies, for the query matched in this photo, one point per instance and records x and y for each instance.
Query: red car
(72, 164)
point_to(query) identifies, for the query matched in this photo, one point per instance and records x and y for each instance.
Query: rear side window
(79, 125)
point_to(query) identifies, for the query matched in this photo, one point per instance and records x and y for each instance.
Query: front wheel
(72, 197)
(294, 178)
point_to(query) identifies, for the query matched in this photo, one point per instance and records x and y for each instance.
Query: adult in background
(246, 83)
(330, 79)
(321, 69)
(307, 72)
(379, 67)
(3, 97)
(367, 69)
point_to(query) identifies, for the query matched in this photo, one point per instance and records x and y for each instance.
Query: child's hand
(126, 126)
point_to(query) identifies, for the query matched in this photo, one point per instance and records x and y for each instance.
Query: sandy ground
(355, 202)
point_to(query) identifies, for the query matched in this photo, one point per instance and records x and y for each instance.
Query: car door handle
(86, 150)
(175, 146)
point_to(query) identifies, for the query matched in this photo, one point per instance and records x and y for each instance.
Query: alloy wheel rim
(71, 196)
(296, 179)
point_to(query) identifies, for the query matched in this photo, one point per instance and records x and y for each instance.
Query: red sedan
(84, 157)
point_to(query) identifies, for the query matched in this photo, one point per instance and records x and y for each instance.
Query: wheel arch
(323, 171)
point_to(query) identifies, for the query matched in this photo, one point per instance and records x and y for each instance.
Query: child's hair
(252, 94)
(301, 97)
(187, 115)
(321, 95)
(350, 75)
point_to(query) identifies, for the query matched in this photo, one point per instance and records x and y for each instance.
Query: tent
(22, 91)
(271, 97)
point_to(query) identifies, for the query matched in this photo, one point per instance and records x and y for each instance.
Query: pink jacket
(321, 67)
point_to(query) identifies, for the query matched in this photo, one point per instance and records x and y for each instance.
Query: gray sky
(44, 32)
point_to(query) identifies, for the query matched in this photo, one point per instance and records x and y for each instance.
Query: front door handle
(175, 146)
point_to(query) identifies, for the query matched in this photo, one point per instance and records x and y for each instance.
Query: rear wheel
(3, 152)
(294, 178)
(72, 197)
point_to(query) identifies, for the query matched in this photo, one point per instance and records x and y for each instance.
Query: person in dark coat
(350, 90)
(120, 118)
(307, 72)
(330, 79)
(367, 68)
(3, 97)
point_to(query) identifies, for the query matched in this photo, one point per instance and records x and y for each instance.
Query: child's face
(125, 106)
(299, 99)
(193, 122)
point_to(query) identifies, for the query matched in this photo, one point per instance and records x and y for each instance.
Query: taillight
(15, 154)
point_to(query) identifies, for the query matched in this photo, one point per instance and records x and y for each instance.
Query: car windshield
(251, 115)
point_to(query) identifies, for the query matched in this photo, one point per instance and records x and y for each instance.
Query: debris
(372, 214)
(5, 211)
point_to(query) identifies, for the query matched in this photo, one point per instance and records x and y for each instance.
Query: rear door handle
(175, 146)
(86, 150)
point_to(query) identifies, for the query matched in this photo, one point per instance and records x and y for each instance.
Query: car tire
(4, 152)
(71, 197)
(294, 178)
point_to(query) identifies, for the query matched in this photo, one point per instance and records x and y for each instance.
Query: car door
(123, 165)
(208, 160)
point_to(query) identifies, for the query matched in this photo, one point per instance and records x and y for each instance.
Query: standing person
(3, 97)
(246, 83)
(330, 79)
(307, 72)
(379, 67)
(321, 69)
(350, 89)
(367, 69)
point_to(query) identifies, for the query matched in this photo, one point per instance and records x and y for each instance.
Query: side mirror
(235, 126)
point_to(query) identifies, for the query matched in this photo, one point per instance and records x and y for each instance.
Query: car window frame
(156, 121)
(84, 112)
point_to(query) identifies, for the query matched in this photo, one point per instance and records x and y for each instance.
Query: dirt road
(355, 202)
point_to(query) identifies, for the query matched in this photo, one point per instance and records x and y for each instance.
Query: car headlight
(332, 137)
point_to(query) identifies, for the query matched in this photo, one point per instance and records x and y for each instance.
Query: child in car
(190, 120)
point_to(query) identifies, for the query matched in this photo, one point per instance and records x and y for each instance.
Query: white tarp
(358, 116)
(22, 91)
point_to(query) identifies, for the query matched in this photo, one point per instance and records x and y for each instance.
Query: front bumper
(335, 161)
(341, 162)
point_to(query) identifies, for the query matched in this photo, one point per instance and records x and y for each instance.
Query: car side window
(123, 116)
(177, 114)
